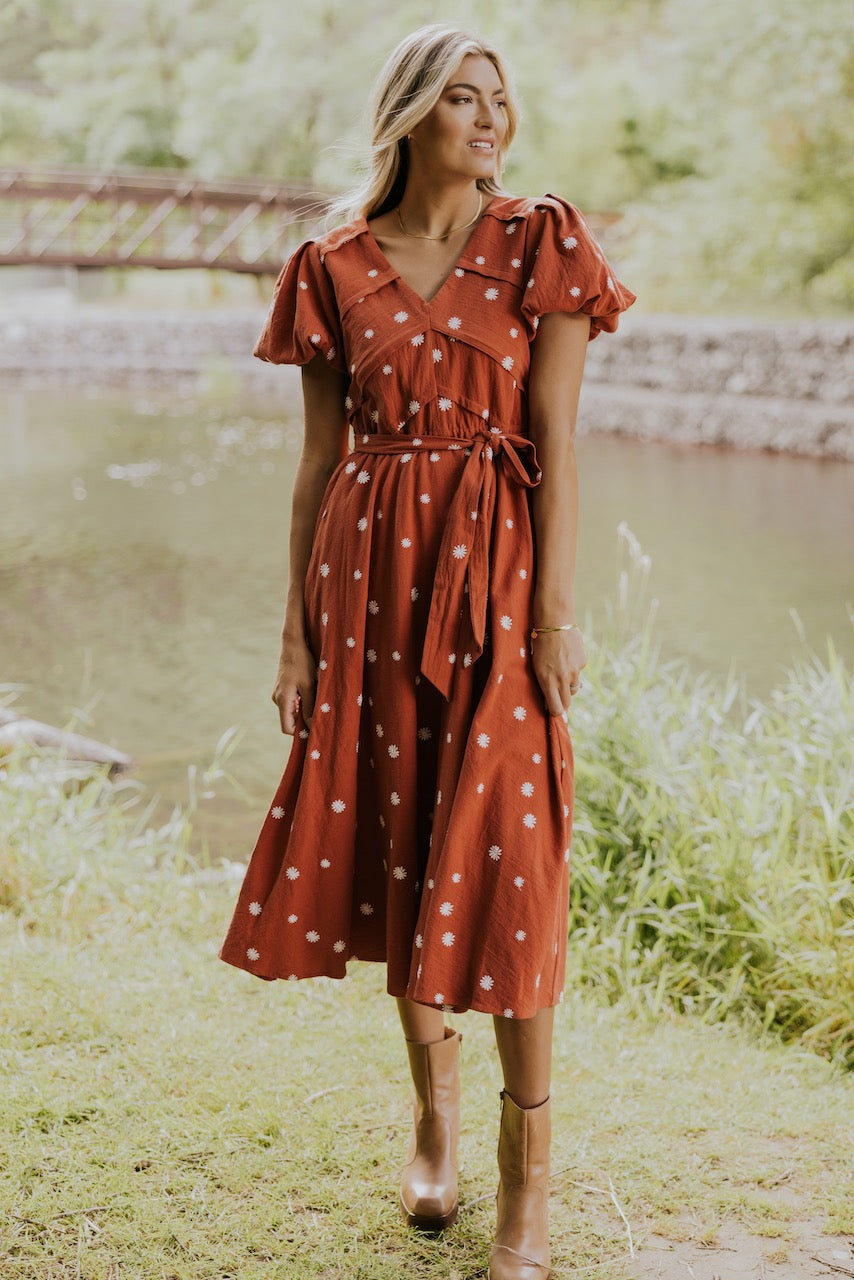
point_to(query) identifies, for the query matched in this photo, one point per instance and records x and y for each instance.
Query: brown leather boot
(521, 1248)
(428, 1188)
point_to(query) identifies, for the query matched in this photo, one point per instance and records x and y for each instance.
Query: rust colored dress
(424, 819)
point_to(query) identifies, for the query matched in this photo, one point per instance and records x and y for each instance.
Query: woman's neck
(435, 210)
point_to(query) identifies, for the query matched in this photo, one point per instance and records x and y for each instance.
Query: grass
(713, 847)
(167, 1117)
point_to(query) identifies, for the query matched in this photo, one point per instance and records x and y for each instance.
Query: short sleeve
(303, 318)
(567, 270)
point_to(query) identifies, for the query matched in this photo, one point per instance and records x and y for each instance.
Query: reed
(713, 853)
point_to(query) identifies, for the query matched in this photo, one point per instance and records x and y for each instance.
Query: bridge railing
(152, 218)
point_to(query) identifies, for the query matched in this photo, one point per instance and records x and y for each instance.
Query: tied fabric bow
(464, 553)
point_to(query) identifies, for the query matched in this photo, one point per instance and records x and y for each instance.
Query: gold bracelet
(568, 626)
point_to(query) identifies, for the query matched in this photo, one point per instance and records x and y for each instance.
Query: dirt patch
(738, 1255)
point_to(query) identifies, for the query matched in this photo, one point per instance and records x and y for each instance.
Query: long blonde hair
(407, 89)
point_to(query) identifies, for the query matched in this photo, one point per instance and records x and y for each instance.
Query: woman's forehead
(476, 70)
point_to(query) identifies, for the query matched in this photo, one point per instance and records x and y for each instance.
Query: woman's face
(462, 134)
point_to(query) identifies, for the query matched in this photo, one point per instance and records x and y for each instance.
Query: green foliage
(713, 848)
(724, 133)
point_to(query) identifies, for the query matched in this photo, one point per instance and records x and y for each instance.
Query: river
(143, 551)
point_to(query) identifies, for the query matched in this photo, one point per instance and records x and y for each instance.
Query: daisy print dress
(424, 817)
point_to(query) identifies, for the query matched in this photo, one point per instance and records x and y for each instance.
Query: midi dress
(424, 817)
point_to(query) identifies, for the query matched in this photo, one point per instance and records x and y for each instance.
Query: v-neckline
(428, 302)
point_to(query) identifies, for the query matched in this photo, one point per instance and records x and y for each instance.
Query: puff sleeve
(567, 270)
(303, 319)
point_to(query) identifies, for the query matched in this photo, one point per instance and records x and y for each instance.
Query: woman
(430, 648)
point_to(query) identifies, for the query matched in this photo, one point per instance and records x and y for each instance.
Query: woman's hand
(296, 683)
(558, 658)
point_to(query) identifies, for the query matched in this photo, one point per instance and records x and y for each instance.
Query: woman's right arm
(325, 443)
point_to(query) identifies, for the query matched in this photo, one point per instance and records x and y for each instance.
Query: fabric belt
(463, 565)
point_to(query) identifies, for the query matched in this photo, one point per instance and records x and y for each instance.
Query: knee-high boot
(428, 1187)
(521, 1248)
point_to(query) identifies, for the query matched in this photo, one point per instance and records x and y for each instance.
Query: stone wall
(780, 386)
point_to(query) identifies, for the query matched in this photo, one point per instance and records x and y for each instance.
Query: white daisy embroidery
(495, 852)
(509, 523)
(277, 812)
(506, 621)
(467, 659)
(401, 316)
(413, 595)
(362, 524)
(575, 291)
(399, 873)
(452, 657)
(369, 333)
(508, 1013)
(445, 404)
(312, 936)
(569, 242)
(292, 919)
(460, 551)
(414, 406)
(480, 260)
(339, 945)
(373, 606)
(395, 798)
(380, 730)
(317, 338)
(425, 734)
(425, 498)
(437, 355)
(507, 362)
(324, 570)
(438, 998)
(454, 322)
(254, 908)
(351, 642)
(292, 873)
(519, 882)
(486, 982)
(446, 908)
(325, 863)
(252, 954)
(520, 935)
(325, 708)
(393, 750)
(530, 820)
(483, 739)
(527, 788)
(303, 285)
(363, 477)
(371, 655)
(459, 273)
(405, 457)
(566, 855)
(373, 273)
(338, 806)
(324, 617)
(536, 757)
(417, 340)
(395, 653)
(491, 295)
(519, 713)
(366, 909)
(387, 369)
(448, 939)
(523, 573)
(510, 228)
(419, 941)
(516, 262)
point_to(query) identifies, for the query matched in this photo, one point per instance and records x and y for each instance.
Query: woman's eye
(464, 98)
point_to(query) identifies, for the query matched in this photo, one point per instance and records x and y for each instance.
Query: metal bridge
(151, 218)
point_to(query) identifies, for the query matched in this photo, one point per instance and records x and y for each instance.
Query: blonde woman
(430, 647)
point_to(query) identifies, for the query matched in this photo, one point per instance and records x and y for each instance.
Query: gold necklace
(416, 236)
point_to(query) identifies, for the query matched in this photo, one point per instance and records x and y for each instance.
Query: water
(143, 554)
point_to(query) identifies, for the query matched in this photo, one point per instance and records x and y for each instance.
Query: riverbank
(785, 387)
(167, 1115)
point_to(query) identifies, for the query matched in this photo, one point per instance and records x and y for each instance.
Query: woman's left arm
(557, 365)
